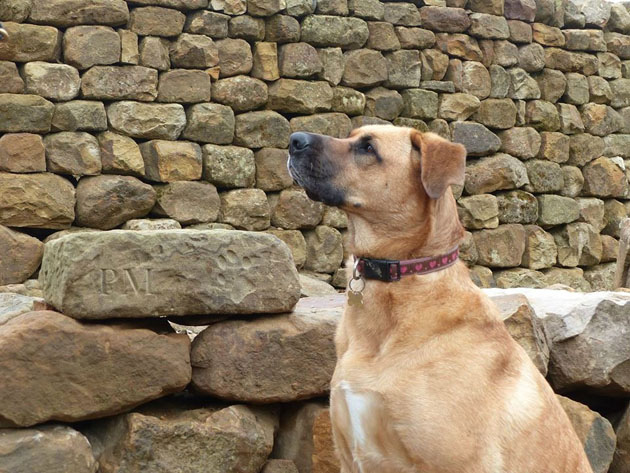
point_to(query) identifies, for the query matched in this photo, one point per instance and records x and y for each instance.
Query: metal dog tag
(355, 298)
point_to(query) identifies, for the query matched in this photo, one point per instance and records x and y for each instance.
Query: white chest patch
(358, 408)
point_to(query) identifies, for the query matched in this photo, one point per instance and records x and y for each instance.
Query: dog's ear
(442, 163)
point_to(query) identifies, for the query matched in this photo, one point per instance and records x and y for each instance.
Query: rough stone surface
(120, 155)
(500, 247)
(517, 207)
(40, 200)
(294, 210)
(74, 153)
(148, 121)
(78, 115)
(229, 166)
(262, 129)
(540, 248)
(187, 202)
(80, 12)
(184, 86)
(22, 256)
(209, 123)
(87, 46)
(324, 249)
(167, 161)
(234, 438)
(99, 203)
(22, 153)
(500, 171)
(25, 113)
(156, 21)
(330, 31)
(295, 361)
(194, 51)
(121, 356)
(45, 448)
(476, 138)
(555, 210)
(297, 96)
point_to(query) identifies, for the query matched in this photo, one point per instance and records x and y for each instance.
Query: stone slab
(168, 272)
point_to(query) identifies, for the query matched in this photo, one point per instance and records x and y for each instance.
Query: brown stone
(86, 46)
(294, 210)
(39, 200)
(10, 80)
(496, 113)
(210, 23)
(415, 38)
(521, 142)
(478, 211)
(262, 129)
(324, 249)
(22, 152)
(295, 96)
(556, 210)
(99, 204)
(188, 202)
(156, 21)
(210, 123)
(419, 103)
(449, 20)
(542, 115)
(296, 243)
(401, 13)
(554, 147)
(129, 51)
(271, 170)
(404, 69)
(584, 148)
(235, 57)
(552, 85)
(459, 45)
(247, 27)
(569, 61)
(31, 384)
(49, 447)
(520, 32)
(167, 161)
(154, 52)
(283, 29)
(540, 248)
(31, 43)
(492, 7)
(148, 121)
(120, 155)
(618, 44)
(284, 373)
(614, 213)
(604, 177)
(22, 255)
(332, 61)
(489, 26)
(337, 125)
(573, 181)
(79, 115)
(193, 51)
(184, 86)
(348, 101)
(265, 61)
(501, 247)
(74, 153)
(364, 68)
(517, 207)
(80, 12)
(298, 60)
(457, 106)
(592, 212)
(548, 35)
(382, 36)
(120, 83)
(246, 209)
(25, 113)
(578, 244)
(333, 31)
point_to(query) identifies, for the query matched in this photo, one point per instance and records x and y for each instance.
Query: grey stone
(192, 51)
(555, 210)
(96, 263)
(80, 115)
(246, 209)
(209, 123)
(188, 202)
(120, 83)
(476, 138)
(332, 31)
(517, 207)
(184, 86)
(156, 21)
(87, 46)
(229, 166)
(80, 12)
(25, 113)
(497, 172)
(74, 153)
(149, 121)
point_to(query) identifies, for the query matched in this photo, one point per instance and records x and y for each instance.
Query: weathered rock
(209, 123)
(402, 13)
(500, 171)
(120, 154)
(604, 177)
(58, 82)
(154, 52)
(299, 60)
(333, 31)
(241, 93)
(614, 213)
(262, 129)
(450, 20)
(25, 113)
(569, 61)
(548, 35)
(592, 212)
(212, 24)
(492, 7)
(270, 286)
(600, 120)
(235, 57)
(314, 287)
(129, 51)
(31, 43)
(459, 45)
(599, 90)
(584, 148)
(279, 466)
(496, 113)
(149, 121)
(296, 243)
(618, 44)
(99, 203)
(247, 209)
(120, 358)
(544, 176)
(22, 152)
(284, 373)
(247, 28)
(552, 84)
(517, 207)
(324, 249)
(488, 26)
(80, 115)
(86, 46)
(479, 211)
(156, 21)
(265, 7)
(80, 12)
(476, 138)
(235, 438)
(75, 153)
(294, 210)
(519, 277)
(617, 145)
(167, 161)
(382, 36)
(15, 10)
(573, 181)
(40, 200)
(265, 61)
(540, 248)
(554, 147)
(578, 244)
(332, 62)
(45, 448)
(520, 32)
(333, 124)
(139, 224)
(283, 29)
(522, 86)
(610, 249)
(457, 106)
(570, 119)
(601, 277)
(22, 256)
(555, 210)
(501, 247)
(348, 101)
(297, 96)
(562, 278)
(187, 202)
(419, 103)
(116, 83)
(10, 80)
(271, 170)
(228, 166)
(364, 68)
(522, 142)
(192, 51)
(184, 86)
(542, 115)
(622, 452)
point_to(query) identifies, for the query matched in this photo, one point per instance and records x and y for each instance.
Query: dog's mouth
(315, 179)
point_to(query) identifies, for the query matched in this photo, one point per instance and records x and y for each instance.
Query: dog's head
(395, 163)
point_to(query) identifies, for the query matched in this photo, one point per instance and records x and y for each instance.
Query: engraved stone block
(168, 272)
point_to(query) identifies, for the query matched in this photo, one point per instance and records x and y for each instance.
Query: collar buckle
(394, 271)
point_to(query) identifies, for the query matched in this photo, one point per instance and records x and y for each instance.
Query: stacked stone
(185, 108)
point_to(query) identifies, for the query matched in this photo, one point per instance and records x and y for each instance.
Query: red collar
(392, 270)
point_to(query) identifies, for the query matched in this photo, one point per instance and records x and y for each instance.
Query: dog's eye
(366, 147)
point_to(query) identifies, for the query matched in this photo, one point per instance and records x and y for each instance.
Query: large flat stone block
(168, 272)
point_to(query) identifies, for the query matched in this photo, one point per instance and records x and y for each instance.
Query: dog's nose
(299, 141)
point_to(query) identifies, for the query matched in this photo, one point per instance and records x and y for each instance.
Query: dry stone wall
(178, 113)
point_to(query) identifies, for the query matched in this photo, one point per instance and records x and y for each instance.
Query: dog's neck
(431, 229)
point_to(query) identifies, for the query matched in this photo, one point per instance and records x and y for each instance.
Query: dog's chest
(357, 406)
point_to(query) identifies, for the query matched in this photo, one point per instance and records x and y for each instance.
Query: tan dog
(428, 379)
